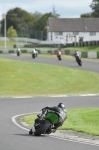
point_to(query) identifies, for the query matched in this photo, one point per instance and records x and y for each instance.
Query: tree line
(25, 24)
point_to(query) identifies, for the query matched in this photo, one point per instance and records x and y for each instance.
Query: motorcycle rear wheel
(42, 128)
(79, 63)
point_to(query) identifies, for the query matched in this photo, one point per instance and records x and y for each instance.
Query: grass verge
(18, 78)
(81, 120)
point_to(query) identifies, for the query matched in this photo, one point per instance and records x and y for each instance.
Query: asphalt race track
(14, 138)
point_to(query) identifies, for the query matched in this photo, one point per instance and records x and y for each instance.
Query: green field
(85, 48)
(50, 47)
(18, 78)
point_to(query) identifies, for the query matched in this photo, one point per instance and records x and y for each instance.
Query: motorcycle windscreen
(52, 117)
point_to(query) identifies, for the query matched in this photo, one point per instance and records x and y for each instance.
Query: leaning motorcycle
(78, 60)
(44, 123)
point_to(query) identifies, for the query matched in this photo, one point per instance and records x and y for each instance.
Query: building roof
(73, 24)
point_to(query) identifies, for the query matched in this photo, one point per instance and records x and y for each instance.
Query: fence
(86, 43)
(31, 43)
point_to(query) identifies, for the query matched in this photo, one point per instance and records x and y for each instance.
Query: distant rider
(35, 52)
(77, 54)
(59, 54)
(18, 50)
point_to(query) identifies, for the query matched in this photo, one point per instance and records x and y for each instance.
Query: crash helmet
(61, 105)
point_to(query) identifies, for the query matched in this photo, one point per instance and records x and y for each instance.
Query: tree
(19, 19)
(54, 12)
(95, 8)
(26, 24)
(87, 15)
(36, 15)
(41, 24)
(11, 33)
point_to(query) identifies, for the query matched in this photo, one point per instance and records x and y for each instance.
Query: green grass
(78, 48)
(18, 78)
(84, 48)
(10, 43)
(84, 120)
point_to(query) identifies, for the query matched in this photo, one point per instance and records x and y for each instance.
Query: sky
(65, 8)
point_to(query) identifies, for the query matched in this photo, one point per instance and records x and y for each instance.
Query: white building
(69, 30)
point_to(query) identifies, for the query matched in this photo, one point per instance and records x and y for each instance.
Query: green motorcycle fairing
(52, 117)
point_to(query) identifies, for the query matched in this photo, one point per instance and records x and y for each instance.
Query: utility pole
(4, 18)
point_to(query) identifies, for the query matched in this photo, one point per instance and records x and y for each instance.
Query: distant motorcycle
(18, 52)
(34, 53)
(59, 55)
(78, 60)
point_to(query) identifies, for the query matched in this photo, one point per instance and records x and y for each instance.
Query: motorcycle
(34, 55)
(18, 53)
(78, 60)
(44, 123)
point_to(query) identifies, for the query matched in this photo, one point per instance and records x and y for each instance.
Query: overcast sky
(66, 8)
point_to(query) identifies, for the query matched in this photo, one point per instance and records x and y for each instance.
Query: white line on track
(14, 119)
(73, 140)
(57, 95)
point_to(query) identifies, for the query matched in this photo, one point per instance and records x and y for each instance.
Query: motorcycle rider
(77, 56)
(35, 52)
(59, 54)
(58, 109)
(18, 50)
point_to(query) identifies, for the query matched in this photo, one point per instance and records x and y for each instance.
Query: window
(58, 33)
(92, 33)
(75, 33)
(51, 36)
